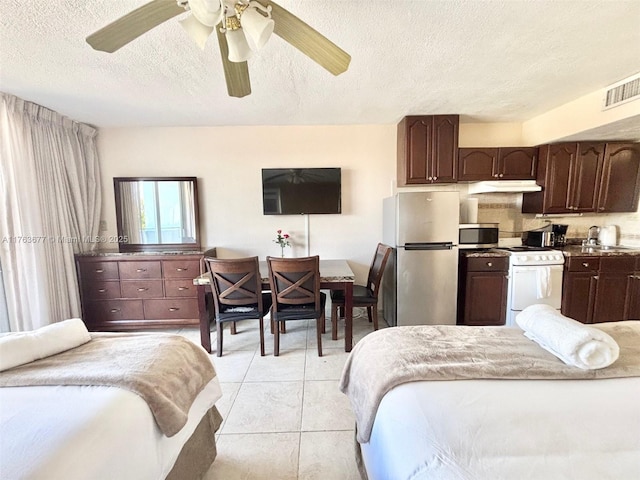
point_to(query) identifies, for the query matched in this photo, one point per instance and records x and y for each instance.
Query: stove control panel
(537, 258)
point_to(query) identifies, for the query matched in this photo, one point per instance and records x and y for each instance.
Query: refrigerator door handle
(429, 246)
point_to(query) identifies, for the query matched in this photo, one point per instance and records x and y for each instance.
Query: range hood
(504, 186)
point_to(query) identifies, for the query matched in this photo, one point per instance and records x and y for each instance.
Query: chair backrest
(377, 268)
(235, 282)
(294, 281)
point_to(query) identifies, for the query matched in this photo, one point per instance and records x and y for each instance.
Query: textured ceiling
(490, 60)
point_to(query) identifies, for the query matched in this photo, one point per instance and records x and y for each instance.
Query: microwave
(478, 235)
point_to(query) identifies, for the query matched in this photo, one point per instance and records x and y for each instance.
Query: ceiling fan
(242, 27)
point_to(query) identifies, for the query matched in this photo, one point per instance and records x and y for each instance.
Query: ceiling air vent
(622, 92)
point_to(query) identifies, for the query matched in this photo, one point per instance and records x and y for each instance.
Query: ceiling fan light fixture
(257, 27)
(198, 32)
(239, 50)
(208, 12)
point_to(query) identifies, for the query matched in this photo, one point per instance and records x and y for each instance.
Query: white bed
(485, 403)
(507, 429)
(88, 432)
(118, 406)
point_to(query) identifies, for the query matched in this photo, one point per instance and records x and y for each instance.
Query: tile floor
(284, 417)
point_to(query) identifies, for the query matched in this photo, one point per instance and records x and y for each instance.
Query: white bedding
(507, 429)
(88, 433)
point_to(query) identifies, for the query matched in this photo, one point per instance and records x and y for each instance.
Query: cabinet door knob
(585, 264)
(489, 264)
(435, 178)
(429, 178)
(501, 175)
(174, 309)
(596, 277)
(495, 175)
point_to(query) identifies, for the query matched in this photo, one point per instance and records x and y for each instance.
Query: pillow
(25, 347)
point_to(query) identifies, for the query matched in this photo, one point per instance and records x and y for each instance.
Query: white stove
(535, 276)
(534, 256)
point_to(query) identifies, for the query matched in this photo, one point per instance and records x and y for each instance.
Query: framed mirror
(157, 213)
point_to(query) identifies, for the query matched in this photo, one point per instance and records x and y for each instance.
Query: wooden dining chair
(237, 294)
(295, 294)
(363, 295)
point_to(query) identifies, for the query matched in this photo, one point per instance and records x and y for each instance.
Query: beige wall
(228, 162)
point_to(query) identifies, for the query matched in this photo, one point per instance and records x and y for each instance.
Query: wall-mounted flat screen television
(291, 191)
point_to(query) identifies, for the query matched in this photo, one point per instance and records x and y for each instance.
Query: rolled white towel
(571, 341)
(25, 347)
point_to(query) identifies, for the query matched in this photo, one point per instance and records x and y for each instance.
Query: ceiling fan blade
(309, 41)
(133, 24)
(236, 74)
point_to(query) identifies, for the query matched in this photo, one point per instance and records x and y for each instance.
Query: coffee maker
(559, 234)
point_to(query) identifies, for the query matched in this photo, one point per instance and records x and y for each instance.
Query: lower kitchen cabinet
(632, 307)
(482, 290)
(137, 291)
(601, 289)
(579, 287)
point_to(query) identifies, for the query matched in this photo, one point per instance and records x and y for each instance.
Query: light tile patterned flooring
(284, 417)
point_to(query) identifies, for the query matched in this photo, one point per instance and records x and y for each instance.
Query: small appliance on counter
(554, 235)
(542, 237)
(608, 236)
(478, 235)
(559, 234)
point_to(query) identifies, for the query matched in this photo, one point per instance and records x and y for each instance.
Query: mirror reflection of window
(158, 212)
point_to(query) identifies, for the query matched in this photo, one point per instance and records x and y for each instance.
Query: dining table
(334, 275)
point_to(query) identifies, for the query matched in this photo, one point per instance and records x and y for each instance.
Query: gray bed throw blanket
(393, 356)
(167, 371)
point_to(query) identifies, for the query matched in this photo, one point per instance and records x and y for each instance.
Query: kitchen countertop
(484, 254)
(580, 251)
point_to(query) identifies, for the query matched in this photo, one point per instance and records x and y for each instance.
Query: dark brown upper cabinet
(504, 163)
(569, 174)
(620, 181)
(586, 177)
(428, 149)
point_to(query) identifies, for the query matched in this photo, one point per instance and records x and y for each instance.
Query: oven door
(529, 285)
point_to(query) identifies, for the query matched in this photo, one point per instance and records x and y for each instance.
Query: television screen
(290, 191)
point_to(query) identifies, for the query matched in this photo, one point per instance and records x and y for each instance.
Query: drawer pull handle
(142, 289)
(102, 290)
(174, 309)
(585, 264)
(99, 270)
(181, 269)
(114, 310)
(141, 270)
(183, 288)
(489, 264)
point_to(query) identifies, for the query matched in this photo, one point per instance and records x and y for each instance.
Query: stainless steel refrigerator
(420, 283)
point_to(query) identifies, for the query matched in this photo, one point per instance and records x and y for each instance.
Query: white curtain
(131, 206)
(50, 204)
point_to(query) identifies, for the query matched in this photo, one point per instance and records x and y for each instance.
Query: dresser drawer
(141, 289)
(92, 271)
(169, 308)
(102, 290)
(140, 270)
(110, 310)
(181, 268)
(487, 264)
(180, 288)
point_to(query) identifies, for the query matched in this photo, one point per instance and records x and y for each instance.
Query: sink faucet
(592, 236)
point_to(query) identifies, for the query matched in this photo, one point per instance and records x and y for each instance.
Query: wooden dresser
(123, 291)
